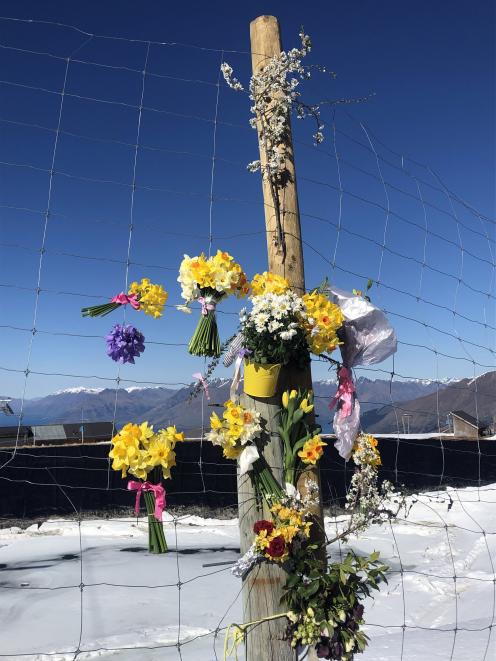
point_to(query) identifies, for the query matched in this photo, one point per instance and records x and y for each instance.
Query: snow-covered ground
(59, 581)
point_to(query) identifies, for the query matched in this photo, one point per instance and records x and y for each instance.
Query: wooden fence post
(262, 588)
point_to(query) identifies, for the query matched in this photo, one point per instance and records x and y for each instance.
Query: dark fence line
(56, 480)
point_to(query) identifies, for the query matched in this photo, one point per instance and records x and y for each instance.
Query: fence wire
(87, 195)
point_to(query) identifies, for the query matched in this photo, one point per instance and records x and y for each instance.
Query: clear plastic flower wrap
(368, 337)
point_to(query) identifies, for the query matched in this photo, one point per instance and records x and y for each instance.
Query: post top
(264, 18)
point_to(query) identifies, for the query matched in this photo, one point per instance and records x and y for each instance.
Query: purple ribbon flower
(125, 343)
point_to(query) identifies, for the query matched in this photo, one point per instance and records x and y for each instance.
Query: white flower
(215, 437)
(287, 335)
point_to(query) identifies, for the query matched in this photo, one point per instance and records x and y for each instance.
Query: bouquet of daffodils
(138, 450)
(322, 320)
(142, 295)
(236, 433)
(208, 281)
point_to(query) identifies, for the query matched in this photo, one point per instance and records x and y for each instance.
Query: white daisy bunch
(274, 329)
(271, 311)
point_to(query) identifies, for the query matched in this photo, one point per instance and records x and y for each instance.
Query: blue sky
(430, 69)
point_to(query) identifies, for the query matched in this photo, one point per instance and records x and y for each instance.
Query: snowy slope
(132, 608)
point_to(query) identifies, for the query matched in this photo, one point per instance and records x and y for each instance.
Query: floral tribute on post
(148, 456)
(281, 330)
(325, 606)
(208, 280)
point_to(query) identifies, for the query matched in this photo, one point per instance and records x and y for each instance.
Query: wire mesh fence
(120, 155)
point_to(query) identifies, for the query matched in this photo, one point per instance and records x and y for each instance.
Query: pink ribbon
(344, 393)
(202, 380)
(158, 491)
(205, 307)
(124, 299)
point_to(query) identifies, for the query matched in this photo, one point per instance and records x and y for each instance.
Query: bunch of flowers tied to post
(239, 432)
(149, 456)
(283, 328)
(325, 608)
(208, 281)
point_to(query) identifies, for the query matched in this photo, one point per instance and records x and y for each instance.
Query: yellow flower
(365, 451)
(305, 406)
(146, 433)
(286, 396)
(312, 450)
(136, 449)
(234, 414)
(234, 432)
(268, 283)
(219, 272)
(326, 318)
(284, 513)
(232, 452)
(276, 507)
(288, 532)
(160, 454)
(215, 421)
(152, 298)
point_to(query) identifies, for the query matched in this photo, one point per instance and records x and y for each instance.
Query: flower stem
(156, 536)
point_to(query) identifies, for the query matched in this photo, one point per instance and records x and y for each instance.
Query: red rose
(263, 525)
(277, 547)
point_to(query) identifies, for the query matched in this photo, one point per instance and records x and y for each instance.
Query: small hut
(464, 425)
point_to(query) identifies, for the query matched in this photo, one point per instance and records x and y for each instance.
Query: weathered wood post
(262, 588)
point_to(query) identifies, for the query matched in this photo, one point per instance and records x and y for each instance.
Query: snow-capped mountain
(426, 413)
(163, 406)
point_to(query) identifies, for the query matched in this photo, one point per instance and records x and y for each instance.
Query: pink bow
(124, 299)
(158, 492)
(202, 380)
(205, 307)
(344, 393)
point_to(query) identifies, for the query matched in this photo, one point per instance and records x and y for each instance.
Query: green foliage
(295, 429)
(330, 601)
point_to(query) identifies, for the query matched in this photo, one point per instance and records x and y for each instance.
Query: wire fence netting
(118, 156)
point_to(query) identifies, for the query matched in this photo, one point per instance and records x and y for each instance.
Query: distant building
(465, 426)
(58, 434)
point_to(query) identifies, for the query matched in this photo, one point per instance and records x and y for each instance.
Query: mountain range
(429, 412)
(162, 406)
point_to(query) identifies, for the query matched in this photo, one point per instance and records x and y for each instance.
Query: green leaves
(334, 595)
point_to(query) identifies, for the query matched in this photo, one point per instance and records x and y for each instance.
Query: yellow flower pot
(261, 380)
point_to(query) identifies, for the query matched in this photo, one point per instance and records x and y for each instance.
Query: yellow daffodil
(287, 395)
(312, 450)
(215, 421)
(268, 283)
(160, 454)
(152, 298)
(323, 319)
(136, 449)
(305, 406)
